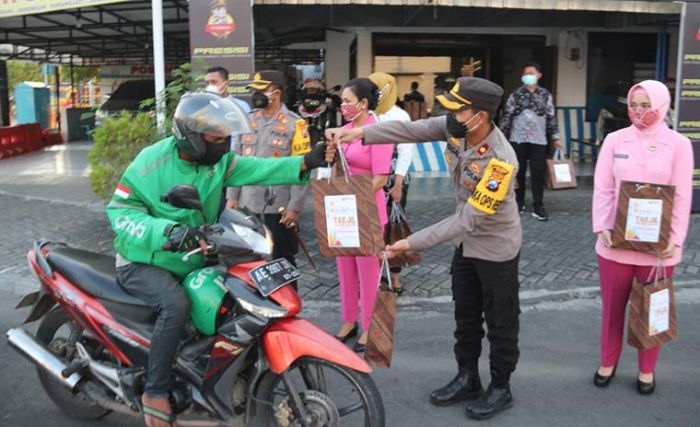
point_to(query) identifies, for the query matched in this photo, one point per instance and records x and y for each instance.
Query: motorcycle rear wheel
(333, 394)
(52, 333)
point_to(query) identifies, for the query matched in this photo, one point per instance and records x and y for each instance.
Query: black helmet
(201, 112)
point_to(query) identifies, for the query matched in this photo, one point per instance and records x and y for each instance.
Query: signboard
(30, 7)
(221, 34)
(688, 88)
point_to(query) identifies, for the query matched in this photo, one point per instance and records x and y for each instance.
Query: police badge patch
(493, 187)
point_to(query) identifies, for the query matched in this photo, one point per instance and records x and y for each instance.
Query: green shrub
(117, 142)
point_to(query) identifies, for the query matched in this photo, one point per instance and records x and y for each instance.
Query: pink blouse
(660, 157)
(370, 159)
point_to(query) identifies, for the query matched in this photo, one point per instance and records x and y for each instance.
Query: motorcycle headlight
(266, 312)
(258, 243)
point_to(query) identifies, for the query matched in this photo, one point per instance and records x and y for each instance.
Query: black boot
(496, 398)
(465, 386)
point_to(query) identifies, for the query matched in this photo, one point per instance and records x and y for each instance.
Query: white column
(158, 61)
(365, 59)
(337, 66)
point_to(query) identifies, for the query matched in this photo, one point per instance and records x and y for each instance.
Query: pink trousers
(358, 274)
(615, 286)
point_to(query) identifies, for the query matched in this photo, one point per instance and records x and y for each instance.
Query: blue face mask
(529, 79)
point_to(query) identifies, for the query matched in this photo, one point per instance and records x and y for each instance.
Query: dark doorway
(502, 56)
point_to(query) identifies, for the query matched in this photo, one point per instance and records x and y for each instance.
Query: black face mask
(456, 128)
(213, 154)
(260, 100)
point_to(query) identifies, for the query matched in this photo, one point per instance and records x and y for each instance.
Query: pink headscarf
(660, 103)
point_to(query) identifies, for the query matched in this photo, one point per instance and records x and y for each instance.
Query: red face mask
(643, 119)
(349, 111)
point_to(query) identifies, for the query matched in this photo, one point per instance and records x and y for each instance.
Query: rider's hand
(607, 239)
(331, 152)
(184, 239)
(316, 157)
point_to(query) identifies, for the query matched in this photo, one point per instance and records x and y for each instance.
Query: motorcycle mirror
(183, 196)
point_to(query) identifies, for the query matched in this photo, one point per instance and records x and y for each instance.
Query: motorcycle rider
(197, 154)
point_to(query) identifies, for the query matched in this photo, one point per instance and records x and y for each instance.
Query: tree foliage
(117, 142)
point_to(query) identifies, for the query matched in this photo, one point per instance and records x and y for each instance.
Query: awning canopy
(663, 6)
(122, 32)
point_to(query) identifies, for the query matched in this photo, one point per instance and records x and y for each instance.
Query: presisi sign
(221, 34)
(10, 8)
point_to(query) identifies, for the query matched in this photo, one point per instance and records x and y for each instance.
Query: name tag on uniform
(620, 156)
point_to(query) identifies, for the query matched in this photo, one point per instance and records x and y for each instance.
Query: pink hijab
(660, 98)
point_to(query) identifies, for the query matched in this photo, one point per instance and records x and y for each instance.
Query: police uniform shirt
(283, 134)
(486, 221)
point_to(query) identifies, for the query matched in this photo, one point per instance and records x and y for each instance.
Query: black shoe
(496, 399)
(646, 388)
(601, 381)
(351, 334)
(521, 208)
(359, 348)
(465, 386)
(540, 214)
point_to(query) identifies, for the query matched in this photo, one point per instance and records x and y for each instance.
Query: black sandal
(398, 290)
(155, 413)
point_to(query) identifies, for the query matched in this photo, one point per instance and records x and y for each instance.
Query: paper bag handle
(385, 268)
(658, 271)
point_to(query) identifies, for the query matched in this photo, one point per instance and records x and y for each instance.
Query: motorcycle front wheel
(332, 394)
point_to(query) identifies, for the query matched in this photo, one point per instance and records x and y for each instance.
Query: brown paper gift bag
(364, 218)
(380, 339)
(398, 229)
(652, 312)
(637, 237)
(560, 172)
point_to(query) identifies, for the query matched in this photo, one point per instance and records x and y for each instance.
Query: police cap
(473, 92)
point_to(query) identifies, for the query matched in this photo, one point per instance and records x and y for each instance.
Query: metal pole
(679, 64)
(159, 62)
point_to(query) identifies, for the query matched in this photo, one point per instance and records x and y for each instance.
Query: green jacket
(139, 218)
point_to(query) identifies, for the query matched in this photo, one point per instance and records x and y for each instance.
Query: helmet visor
(214, 116)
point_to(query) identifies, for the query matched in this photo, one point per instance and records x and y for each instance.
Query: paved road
(552, 386)
(46, 194)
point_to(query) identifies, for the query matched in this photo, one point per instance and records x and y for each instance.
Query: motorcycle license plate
(273, 275)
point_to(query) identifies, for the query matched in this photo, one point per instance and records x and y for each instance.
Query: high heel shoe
(646, 388)
(351, 334)
(603, 381)
(359, 347)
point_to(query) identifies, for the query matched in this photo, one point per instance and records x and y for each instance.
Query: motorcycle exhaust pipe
(36, 352)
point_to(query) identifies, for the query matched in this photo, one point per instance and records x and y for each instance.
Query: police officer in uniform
(487, 232)
(277, 132)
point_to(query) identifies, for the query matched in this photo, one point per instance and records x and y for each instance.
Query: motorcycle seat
(92, 272)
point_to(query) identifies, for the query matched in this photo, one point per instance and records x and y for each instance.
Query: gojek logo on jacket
(129, 226)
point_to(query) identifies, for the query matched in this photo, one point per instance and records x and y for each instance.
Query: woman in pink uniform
(359, 275)
(650, 152)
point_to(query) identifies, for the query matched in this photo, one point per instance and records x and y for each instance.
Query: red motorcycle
(246, 358)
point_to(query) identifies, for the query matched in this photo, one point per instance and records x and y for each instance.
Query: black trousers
(286, 246)
(159, 289)
(535, 155)
(404, 196)
(486, 290)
